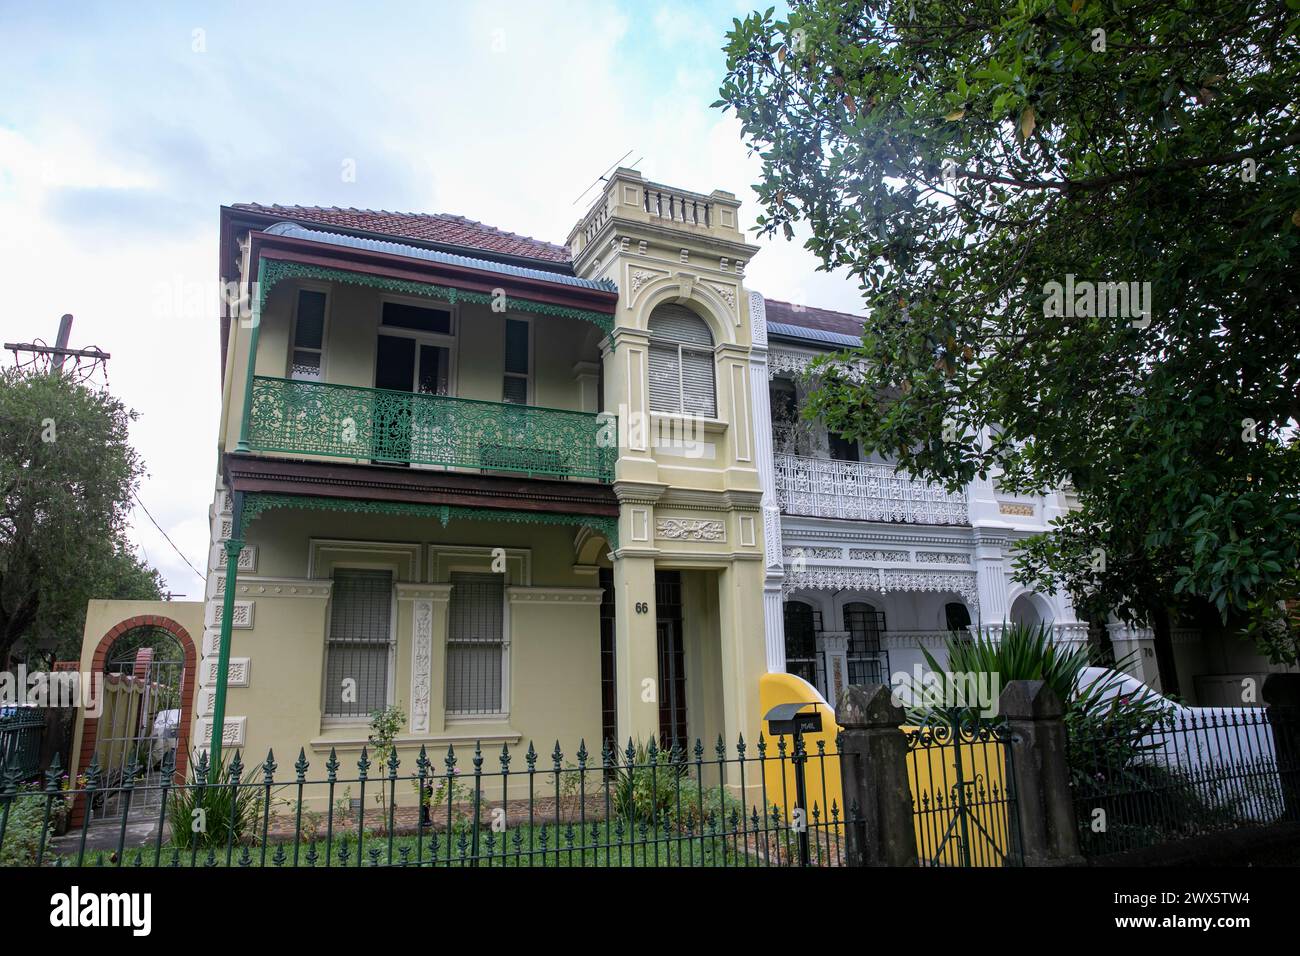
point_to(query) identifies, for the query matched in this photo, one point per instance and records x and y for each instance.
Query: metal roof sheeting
(295, 231)
(802, 334)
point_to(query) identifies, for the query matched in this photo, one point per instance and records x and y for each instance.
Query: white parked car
(163, 738)
(1225, 754)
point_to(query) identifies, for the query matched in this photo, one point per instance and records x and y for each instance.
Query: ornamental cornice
(547, 595)
(793, 527)
(423, 592)
(697, 499)
(638, 492)
(257, 587)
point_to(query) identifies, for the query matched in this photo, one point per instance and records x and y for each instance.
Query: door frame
(449, 341)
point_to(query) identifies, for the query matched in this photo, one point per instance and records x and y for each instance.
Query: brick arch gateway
(91, 727)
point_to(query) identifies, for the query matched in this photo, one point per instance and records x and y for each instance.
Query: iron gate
(140, 725)
(963, 792)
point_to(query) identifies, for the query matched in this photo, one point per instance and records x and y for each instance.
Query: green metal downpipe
(233, 546)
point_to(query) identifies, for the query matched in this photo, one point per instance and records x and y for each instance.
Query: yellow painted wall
(554, 645)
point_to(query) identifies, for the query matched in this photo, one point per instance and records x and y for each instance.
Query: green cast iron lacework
(374, 424)
(271, 271)
(256, 504)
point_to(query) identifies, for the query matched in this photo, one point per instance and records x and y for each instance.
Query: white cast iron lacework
(863, 491)
(880, 581)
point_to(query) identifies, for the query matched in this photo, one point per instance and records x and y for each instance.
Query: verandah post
(234, 545)
(255, 322)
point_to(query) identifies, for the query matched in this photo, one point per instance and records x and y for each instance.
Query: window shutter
(680, 324)
(515, 390)
(697, 383)
(664, 379)
(475, 639)
(681, 362)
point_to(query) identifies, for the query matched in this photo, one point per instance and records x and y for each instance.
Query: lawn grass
(536, 846)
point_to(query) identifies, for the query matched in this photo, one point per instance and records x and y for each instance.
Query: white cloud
(118, 143)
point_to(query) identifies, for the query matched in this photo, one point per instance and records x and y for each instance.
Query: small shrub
(23, 831)
(227, 813)
(644, 793)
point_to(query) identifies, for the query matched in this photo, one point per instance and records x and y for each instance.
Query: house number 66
(642, 607)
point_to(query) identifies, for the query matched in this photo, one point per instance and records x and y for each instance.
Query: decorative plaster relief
(690, 529)
(237, 674)
(421, 665)
(242, 619)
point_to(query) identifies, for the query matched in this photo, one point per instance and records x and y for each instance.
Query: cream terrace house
(537, 493)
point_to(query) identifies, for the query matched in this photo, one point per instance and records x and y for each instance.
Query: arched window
(956, 616)
(681, 363)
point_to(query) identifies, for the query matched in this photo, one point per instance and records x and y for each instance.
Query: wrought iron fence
(21, 731)
(641, 806)
(963, 792)
(383, 425)
(1178, 776)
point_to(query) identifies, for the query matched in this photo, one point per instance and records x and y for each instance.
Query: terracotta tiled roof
(427, 227)
(805, 316)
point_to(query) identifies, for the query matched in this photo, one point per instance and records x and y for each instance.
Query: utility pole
(59, 351)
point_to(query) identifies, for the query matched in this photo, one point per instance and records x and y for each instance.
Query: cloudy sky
(121, 133)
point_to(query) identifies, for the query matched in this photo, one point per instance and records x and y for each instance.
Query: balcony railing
(392, 427)
(863, 491)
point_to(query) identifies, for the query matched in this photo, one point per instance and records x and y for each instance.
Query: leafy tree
(971, 161)
(67, 476)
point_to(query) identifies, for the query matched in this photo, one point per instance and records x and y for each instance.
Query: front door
(404, 429)
(672, 660)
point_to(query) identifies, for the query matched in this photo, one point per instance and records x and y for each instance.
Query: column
(991, 581)
(1135, 652)
(636, 649)
(428, 649)
(835, 653)
(743, 655)
(774, 569)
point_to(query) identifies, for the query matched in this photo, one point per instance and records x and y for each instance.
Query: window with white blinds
(358, 651)
(476, 644)
(681, 363)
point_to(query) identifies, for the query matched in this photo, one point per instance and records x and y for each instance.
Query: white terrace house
(870, 564)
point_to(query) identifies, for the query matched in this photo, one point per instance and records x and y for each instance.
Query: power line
(167, 539)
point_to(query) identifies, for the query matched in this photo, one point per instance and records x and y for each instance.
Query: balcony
(863, 491)
(406, 428)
